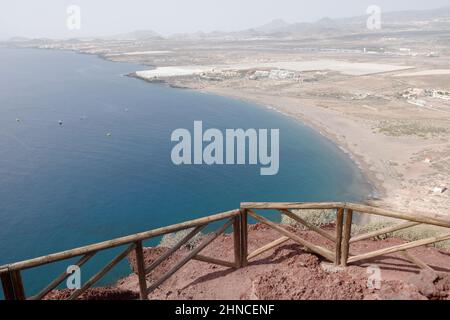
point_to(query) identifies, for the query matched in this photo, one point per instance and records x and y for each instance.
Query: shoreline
(378, 192)
(394, 166)
(371, 152)
(387, 163)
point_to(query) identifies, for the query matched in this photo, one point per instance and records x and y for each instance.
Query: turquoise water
(63, 186)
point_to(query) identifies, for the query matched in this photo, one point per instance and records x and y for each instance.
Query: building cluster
(413, 94)
(274, 74)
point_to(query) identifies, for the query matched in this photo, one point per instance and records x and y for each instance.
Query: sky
(48, 18)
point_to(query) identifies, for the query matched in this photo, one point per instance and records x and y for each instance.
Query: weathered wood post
(346, 234)
(338, 243)
(140, 264)
(244, 237)
(7, 285)
(237, 241)
(13, 286)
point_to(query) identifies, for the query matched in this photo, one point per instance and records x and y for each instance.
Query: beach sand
(403, 148)
(382, 109)
(395, 165)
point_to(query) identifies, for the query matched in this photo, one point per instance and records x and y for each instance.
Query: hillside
(288, 272)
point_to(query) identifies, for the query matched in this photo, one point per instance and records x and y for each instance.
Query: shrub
(320, 218)
(171, 239)
(316, 217)
(409, 234)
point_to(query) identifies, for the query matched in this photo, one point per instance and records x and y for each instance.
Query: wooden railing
(342, 238)
(13, 287)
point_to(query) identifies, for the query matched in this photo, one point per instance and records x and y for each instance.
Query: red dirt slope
(288, 272)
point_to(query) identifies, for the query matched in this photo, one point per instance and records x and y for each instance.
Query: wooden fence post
(346, 237)
(338, 242)
(141, 270)
(210, 238)
(244, 237)
(13, 286)
(237, 242)
(78, 292)
(7, 285)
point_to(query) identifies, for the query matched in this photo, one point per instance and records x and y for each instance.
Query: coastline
(393, 165)
(378, 191)
(322, 120)
(389, 164)
(339, 129)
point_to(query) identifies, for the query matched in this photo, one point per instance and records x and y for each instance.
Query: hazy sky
(47, 18)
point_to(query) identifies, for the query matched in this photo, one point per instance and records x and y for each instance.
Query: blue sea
(85, 157)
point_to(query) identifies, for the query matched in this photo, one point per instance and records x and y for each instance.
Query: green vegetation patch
(424, 129)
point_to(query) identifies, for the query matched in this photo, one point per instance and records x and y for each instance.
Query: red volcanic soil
(288, 272)
(95, 294)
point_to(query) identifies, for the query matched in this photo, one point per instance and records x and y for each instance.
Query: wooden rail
(341, 241)
(13, 287)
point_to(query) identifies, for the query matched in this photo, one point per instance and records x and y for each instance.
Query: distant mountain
(400, 21)
(408, 16)
(434, 19)
(272, 26)
(323, 26)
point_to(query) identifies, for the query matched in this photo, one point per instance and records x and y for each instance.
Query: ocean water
(107, 172)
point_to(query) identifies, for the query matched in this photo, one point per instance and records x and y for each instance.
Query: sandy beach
(388, 108)
(399, 141)
(387, 162)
